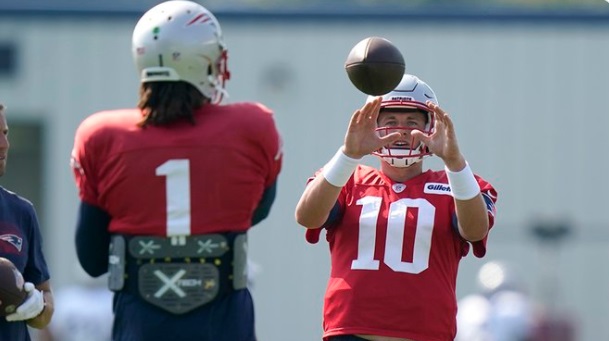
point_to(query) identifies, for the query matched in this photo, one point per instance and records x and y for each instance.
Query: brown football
(11, 287)
(375, 66)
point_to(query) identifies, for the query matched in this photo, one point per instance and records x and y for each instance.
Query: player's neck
(402, 174)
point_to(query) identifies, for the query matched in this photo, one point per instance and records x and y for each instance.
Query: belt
(181, 273)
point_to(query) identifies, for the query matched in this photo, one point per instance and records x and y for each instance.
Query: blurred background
(526, 81)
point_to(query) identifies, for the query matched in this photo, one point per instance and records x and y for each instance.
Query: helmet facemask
(218, 79)
(409, 151)
(411, 94)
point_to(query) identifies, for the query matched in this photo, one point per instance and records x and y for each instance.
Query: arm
(320, 195)
(318, 198)
(470, 207)
(92, 239)
(473, 218)
(43, 319)
(472, 215)
(264, 206)
(45, 334)
(38, 308)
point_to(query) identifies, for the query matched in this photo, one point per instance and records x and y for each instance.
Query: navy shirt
(20, 242)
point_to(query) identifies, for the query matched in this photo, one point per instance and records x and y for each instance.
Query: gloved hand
(31, 307)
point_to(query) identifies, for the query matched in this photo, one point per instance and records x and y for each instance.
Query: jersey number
(177, 190)
(394, 240)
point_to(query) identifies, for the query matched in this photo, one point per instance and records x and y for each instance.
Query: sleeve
(268, 147)
(312, 235)
(36, 270)
(92, 239)
(82, 164)
(264, 206)
(489, 194)
(274, 146)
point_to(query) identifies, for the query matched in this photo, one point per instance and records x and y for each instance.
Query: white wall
(530, 103)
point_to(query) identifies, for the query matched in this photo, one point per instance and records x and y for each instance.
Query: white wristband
(463, 184)
(339, 169)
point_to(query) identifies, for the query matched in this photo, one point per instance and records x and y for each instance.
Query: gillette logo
(437, 188)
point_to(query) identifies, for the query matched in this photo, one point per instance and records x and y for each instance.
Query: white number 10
(395, 235)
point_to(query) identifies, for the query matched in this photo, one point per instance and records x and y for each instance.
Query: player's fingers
(28, 286)
(438, 112)
(434, 107)
(376, 107)
(357, 117)
(390, 138)
(440, 115)
(364, 113)
(445, 123)
(448, 121)
(420, 136)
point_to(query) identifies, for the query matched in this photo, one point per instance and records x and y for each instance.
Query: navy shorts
(228, 318)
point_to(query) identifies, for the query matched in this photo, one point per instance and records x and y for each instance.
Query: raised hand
(443, 141)
(361, 138)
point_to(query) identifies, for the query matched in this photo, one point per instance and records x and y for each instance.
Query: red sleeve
(82, 163)
(489, 194)
(312, 235)
(271, 140)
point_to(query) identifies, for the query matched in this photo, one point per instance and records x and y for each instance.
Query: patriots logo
(490, 204)
(14, 240)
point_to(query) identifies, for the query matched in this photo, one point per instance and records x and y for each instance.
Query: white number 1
(177, 192)
(395, 235)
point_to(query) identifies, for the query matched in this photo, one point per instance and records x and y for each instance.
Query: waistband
(193, 270)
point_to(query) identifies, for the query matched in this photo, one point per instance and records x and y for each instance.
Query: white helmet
(181, 41)
(411, 93)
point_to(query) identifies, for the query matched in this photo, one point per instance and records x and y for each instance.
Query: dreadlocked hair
(163, 103)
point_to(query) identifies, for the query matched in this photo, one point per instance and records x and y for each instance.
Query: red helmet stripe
(202, 15)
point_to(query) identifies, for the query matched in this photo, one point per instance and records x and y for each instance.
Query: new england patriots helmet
(181, 41)
(411, 93)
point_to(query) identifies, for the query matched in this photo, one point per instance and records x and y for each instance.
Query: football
(11, 287)
(375, 66)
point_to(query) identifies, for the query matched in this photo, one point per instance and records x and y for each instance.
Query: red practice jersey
(179, 179)
(395, 253)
